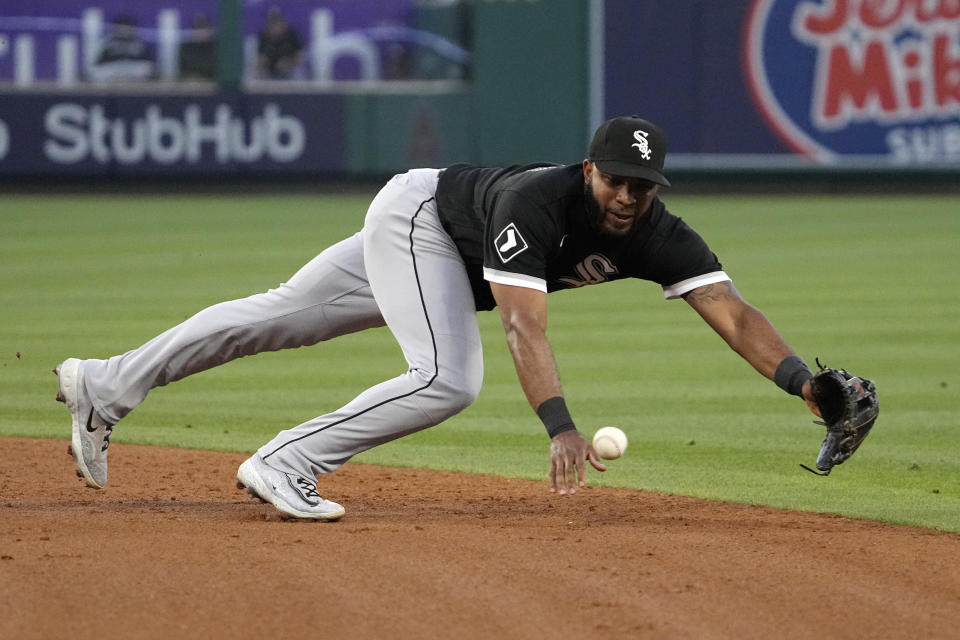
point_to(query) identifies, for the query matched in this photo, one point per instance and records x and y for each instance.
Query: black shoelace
(307, 488)
(106, 438)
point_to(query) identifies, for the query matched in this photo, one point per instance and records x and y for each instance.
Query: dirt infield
(172, 550)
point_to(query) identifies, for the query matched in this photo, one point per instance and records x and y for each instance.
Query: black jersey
(527, 226)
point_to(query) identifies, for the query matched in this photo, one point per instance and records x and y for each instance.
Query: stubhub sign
(859, 78)
(138, 134)
(77, 133)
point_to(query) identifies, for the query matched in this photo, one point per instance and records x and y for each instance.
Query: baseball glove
(849, 407)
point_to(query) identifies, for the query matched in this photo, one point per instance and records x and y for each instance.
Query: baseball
(610, 442)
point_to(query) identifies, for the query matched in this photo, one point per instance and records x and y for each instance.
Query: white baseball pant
(401, 269)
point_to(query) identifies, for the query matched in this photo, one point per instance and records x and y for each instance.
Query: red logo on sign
(868, 67)
(881, 63)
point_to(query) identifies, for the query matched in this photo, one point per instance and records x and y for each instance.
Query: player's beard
(596, 215)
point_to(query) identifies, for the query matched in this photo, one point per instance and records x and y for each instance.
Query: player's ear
(587, 171)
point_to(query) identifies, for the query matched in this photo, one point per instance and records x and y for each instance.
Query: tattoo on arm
(713, 293)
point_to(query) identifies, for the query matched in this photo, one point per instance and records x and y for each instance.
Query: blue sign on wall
(846, 82)
(855, 78)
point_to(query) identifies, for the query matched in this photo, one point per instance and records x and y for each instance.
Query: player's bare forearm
(744, 327)
(535, 364)
(524, 315)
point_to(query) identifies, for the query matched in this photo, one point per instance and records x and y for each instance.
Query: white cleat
(91, 434)
(292, 495)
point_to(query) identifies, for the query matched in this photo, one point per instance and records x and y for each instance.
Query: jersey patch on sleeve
(509, 243)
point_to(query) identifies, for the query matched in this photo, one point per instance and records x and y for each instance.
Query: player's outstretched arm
(524, 315)
(745, 328)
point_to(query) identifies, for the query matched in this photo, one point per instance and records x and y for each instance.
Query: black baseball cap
(630, 146)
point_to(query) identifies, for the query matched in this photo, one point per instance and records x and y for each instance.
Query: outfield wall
(740, 86)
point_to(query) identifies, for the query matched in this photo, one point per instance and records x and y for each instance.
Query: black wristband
(791, 373)
(555, 416)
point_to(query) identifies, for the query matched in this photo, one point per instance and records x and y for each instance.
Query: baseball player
(436, 247)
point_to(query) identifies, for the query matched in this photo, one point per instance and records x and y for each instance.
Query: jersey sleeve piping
(676, 290)
(514, 279)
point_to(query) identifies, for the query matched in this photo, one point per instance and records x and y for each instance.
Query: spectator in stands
(124, 57)
(198, 52)
(280, 50)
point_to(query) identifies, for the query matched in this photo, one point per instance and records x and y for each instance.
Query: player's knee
(462, 396)
(454, 392)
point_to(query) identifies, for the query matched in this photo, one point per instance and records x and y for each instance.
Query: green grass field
(865, 283)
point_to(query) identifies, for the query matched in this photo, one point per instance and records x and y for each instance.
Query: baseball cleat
(293, 495)
(91, 433)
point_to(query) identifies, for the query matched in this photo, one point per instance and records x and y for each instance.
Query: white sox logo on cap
(630, 147)
(641, 143)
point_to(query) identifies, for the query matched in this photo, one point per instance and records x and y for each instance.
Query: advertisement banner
(63, 42)
(852, 78)
(761, 83)
(347, 41)
(152, 135)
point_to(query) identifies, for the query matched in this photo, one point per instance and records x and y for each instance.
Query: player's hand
(569, 452)
(807, 392)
